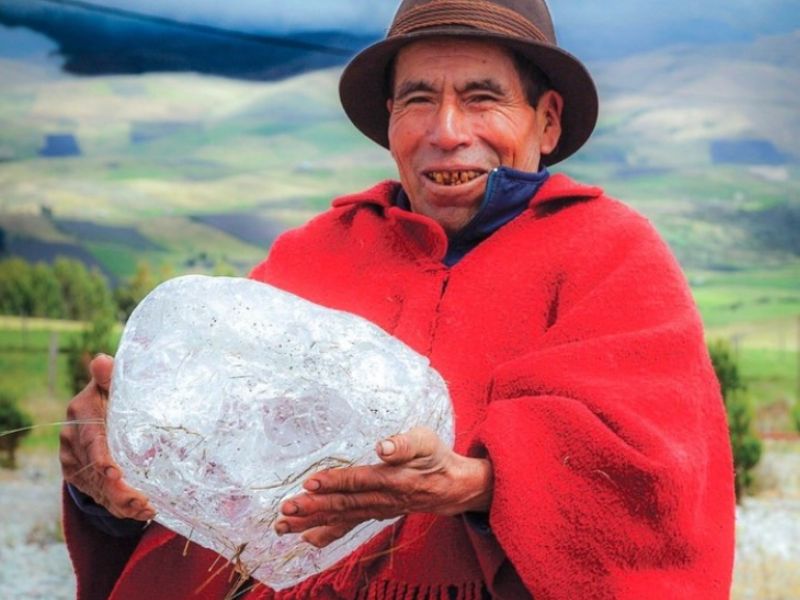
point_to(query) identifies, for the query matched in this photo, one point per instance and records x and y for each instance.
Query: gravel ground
(33, 558)
(768, 529)
(767, 550)
(34, 562)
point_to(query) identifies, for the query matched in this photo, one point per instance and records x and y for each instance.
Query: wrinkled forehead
(423, 59)
(451, 49)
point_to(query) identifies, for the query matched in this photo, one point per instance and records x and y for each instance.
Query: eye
(417, 99)
(481, 98)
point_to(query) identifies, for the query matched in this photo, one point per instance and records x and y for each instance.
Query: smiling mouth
(453, 177)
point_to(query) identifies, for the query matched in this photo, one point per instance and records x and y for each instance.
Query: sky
(592, 29)
(771, 16)
(766, 15)
(271, 15)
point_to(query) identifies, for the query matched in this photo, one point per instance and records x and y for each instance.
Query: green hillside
(705, 142)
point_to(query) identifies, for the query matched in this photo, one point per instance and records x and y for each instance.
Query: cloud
(358, 16)
(582, 17)
(756, 16)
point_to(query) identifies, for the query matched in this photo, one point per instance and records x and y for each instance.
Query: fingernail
(312, 485)
(112, 473)
(99, 354)
(387, 447)
(289, 508)
(281, 527)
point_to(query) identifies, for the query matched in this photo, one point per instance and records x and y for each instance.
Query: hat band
(479, 14)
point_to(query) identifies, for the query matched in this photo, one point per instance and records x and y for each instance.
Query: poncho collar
(429, 236)
(508, 193)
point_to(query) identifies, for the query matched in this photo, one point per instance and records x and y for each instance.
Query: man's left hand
(418, 474)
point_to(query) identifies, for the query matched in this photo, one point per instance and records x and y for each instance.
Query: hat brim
(363, 94)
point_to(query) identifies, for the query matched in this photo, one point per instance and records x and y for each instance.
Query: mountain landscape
(201, 163)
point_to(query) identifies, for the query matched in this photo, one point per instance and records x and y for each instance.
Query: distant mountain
(94, 43)
(688, 105)
(621, 28)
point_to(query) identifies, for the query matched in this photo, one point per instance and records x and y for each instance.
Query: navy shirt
(508, 193)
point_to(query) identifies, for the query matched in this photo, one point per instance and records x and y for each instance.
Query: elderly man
(591, 456)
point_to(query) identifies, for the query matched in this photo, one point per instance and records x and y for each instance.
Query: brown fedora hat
(524, 26)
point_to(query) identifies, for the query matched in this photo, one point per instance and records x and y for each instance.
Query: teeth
(452, 177)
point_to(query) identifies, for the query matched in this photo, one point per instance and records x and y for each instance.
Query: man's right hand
(86, 462)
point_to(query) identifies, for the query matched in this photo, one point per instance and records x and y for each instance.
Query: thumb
(418, 442)
(101, 368)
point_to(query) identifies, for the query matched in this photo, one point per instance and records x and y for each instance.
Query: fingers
(419, 448)
(86, 461)
(352, 479)
(101, 369)
(117, 497)
(124, 502)
(305, 513)
(95, 446)
(413, 477)
(85, 432)
(322, 536)
(311, 510)
(416, 443)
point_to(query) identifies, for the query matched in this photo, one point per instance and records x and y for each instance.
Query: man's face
(459, 110)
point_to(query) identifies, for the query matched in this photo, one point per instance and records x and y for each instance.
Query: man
(591, 456)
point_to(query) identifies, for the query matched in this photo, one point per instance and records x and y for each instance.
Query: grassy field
(25, 376)
(25, 365)
(735, 299)
(767, 351)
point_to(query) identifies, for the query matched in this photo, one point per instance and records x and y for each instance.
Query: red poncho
(576, 362)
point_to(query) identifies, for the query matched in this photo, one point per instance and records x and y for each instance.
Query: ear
(549, 107)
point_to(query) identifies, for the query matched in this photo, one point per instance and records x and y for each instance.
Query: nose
(450, 127)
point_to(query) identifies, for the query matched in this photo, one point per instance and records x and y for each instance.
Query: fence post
(52, 363)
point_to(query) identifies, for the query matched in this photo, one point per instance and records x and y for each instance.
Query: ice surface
(227, 393)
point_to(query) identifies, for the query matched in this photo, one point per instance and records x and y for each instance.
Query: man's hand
(85, 460)
(419, 474)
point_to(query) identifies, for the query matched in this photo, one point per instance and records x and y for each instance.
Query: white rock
(227, 393)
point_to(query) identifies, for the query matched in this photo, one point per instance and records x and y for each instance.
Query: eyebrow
(409, 87)
(489, 85)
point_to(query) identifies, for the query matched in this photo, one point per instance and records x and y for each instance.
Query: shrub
(97, 337)
(13, 427)
(745, 443)
(133, 290)
(796, 415)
